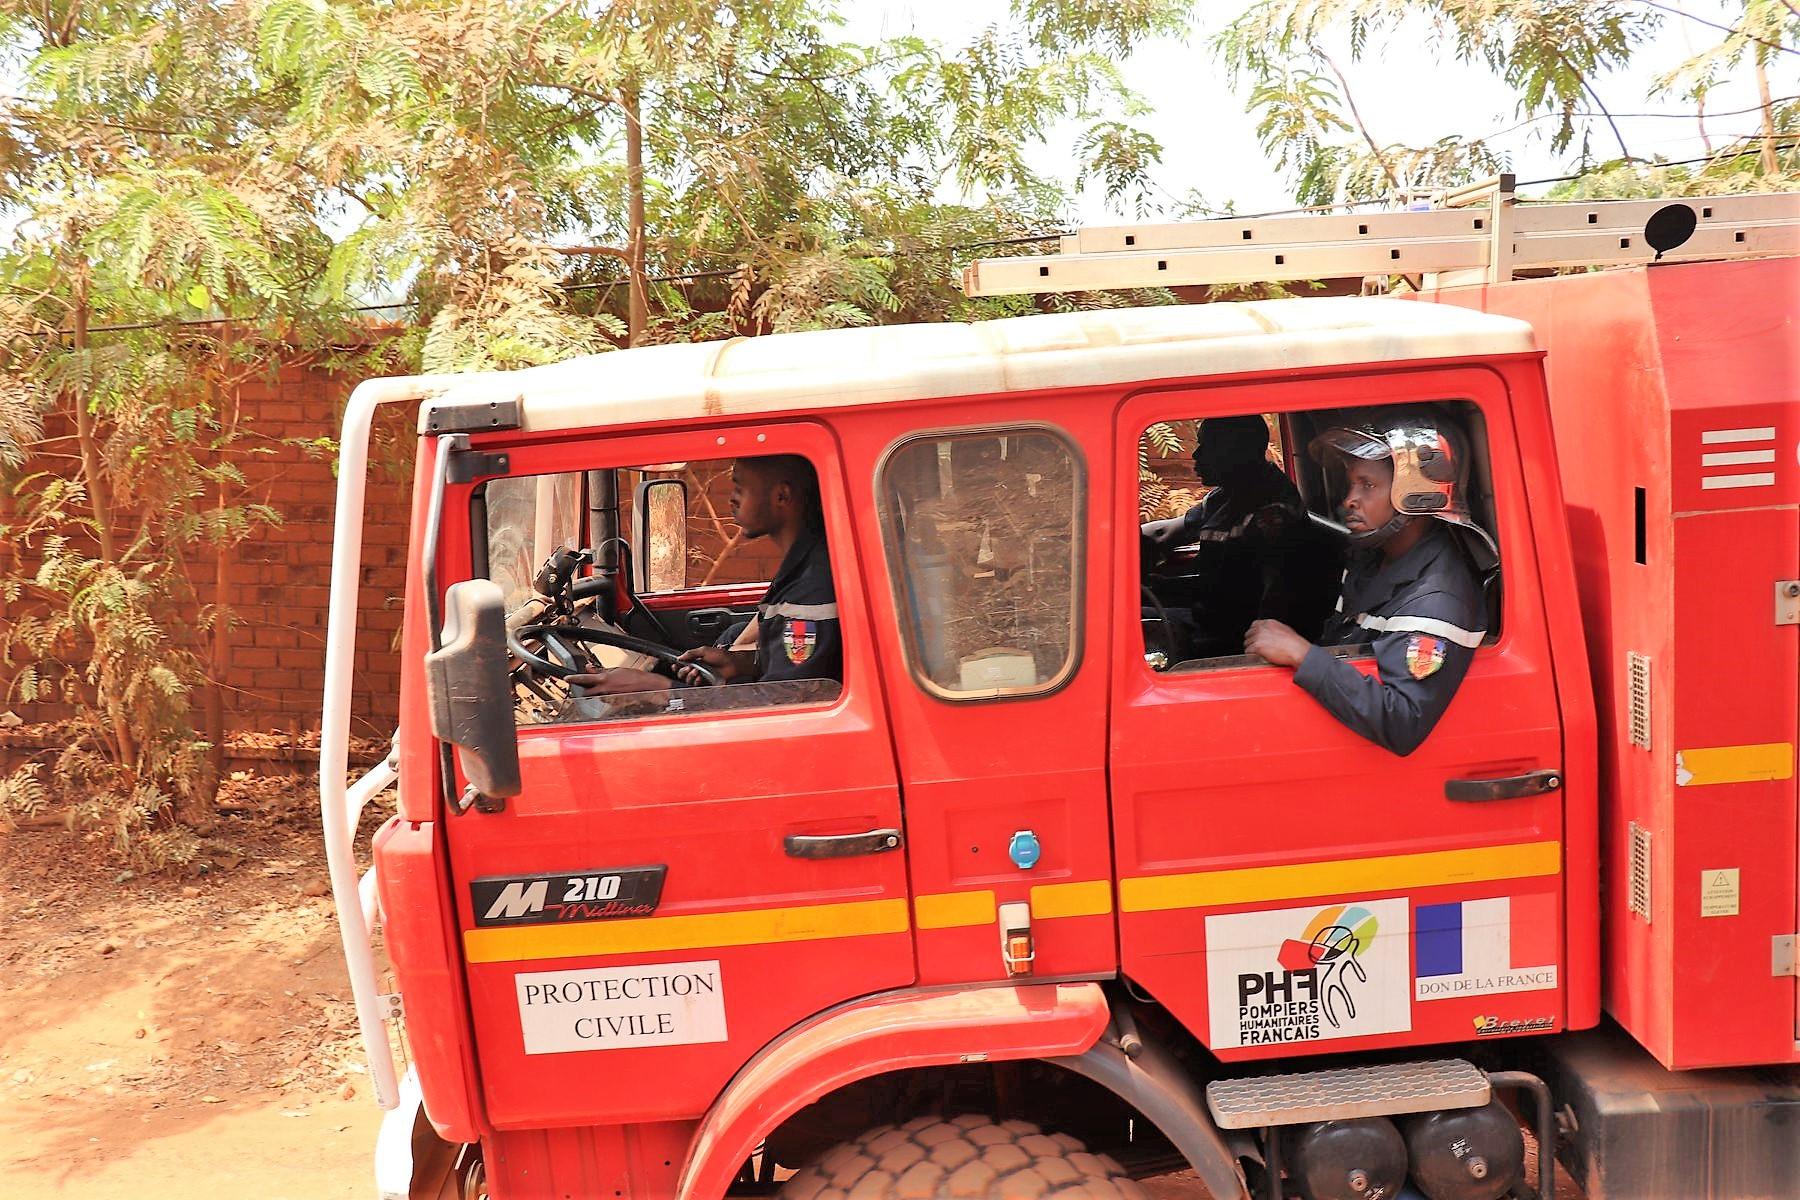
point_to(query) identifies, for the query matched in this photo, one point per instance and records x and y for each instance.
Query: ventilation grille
(1638, 666)
(1640, 871)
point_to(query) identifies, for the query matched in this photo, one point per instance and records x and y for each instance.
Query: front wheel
(971, 1156)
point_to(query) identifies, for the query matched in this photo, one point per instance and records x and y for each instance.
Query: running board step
(1345, 1092)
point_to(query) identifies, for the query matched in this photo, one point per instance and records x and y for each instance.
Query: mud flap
(1156, 1086)
(411, 1161)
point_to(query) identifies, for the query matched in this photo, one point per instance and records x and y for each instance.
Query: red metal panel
(974, 773)
(1225, 778)
(1684, 381)
(1735, 687)
(418, 752)
(725, 595)
(1606, 402)
(415, 921)
(635, 1161)
(889, 1033)
(711, 798)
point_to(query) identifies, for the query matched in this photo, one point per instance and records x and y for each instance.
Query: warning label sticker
(610, 1008)
(1719, 892)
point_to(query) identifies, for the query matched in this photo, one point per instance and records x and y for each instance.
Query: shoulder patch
(1424, 655)
(798, 637)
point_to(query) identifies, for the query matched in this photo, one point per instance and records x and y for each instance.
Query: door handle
(1510, 787)
(710, 620)
(841, 845)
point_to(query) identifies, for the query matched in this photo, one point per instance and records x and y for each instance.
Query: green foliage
(203, 188)
(96, 637)
(1551, 53)
(1156, 499)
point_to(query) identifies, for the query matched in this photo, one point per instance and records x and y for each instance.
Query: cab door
(992, 611)
(641, 920)
(1286, 883)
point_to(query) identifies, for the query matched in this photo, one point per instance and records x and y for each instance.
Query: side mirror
(659, 549)
(470, 689)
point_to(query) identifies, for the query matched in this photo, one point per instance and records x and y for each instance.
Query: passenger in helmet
(1412, 590)
(1243, 552)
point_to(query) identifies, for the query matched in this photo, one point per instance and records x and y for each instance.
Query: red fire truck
(1016, 902)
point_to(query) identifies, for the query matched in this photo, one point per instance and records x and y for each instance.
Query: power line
(1747, 152)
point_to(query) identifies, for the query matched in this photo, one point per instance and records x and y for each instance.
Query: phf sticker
(798, 639)
(1480, 947)
(1424, 655)
(1308, 974)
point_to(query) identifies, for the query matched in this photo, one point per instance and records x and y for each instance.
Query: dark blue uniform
(1256, 556)
(797, 635)
(1424, 615)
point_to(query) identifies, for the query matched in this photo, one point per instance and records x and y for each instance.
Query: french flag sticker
(1479, 947)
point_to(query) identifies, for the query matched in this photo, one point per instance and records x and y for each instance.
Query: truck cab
(1012, 861)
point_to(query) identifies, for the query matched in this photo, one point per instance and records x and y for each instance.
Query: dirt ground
(170, 1038)
(167, 1038)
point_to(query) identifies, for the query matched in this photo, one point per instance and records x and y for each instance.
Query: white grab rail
(341, 806)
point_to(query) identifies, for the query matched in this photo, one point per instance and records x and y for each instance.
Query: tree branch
(1733, 30)
(1624, 151)
(1350, 103)
(597, 97)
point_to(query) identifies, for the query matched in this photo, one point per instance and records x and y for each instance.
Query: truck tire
(970, 1157)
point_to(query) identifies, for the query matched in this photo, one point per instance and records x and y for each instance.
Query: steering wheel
(515, 641)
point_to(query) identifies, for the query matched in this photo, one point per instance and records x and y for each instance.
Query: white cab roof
(796, 372)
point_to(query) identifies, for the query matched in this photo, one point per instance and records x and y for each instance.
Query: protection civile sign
(610, 1008)
(1308, 974)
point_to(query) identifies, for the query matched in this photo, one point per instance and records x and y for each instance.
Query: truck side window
(529, 518)
(984, 546)
(583, 650)
(1242, 519)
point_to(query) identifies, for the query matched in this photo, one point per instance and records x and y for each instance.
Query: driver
(1250, 538)
(1412, 590)
(794, 634)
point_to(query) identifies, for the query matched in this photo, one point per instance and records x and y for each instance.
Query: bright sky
(1408, 90)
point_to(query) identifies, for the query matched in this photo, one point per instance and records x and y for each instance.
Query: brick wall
(281, 580)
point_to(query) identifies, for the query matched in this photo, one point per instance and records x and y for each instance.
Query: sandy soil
(167, 1039)
(177, 1038)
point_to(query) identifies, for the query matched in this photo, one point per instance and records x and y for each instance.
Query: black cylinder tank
(1465, 1153)
(1363, 1159)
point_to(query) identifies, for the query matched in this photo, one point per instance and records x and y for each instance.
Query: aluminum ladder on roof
(1477, 234)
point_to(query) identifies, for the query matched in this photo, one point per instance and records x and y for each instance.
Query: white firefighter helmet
(1431, 473)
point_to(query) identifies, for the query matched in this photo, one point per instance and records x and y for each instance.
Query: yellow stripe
(1394, 872)
(1735, 764)
(803, 923)
(1089, 898)
(948, 910)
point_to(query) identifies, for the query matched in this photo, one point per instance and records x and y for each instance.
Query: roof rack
(1475, 234)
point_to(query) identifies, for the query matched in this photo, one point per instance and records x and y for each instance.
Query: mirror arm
(449, 446)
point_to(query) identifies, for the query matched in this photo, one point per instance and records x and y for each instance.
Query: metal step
(1343, 1092)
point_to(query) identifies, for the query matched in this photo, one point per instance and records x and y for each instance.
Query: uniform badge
(1424, 655)
(798, 639)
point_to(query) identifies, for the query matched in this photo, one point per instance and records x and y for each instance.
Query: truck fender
(1060, 1021)
(1153, 1083)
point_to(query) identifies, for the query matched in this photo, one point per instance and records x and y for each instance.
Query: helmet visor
(1342, 439)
